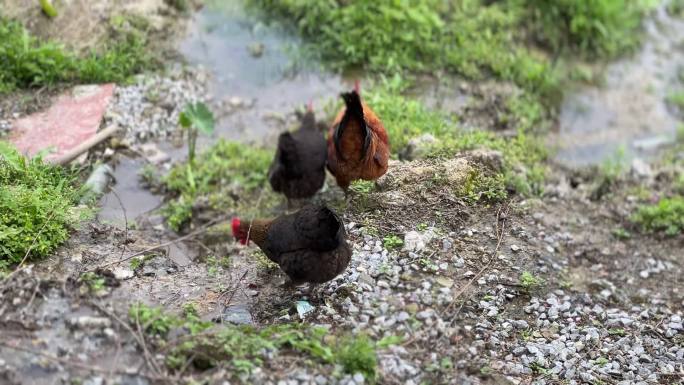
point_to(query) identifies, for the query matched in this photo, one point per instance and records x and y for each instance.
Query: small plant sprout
(136, 262)
(362, 186)
(392, 242)
(92, 283)
(196, 117)
(529, 281)
(621, 233)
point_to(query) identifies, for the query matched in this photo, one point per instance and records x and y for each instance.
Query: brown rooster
(309, 245)
(298, 168)
(358, 145)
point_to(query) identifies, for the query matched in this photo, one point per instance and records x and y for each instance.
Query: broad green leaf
(198, 116)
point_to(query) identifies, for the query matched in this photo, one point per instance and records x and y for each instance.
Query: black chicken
(298, 168)
(309, 245)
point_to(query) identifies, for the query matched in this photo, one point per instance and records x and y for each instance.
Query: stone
(418, 147)
(89, 322)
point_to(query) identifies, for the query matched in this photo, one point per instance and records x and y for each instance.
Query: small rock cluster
(575, 338)
(150, 107)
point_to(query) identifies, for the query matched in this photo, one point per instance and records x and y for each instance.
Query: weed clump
(357, 355)
(667, 215)
(219, 177)
(529, 281)
(29, 62)
(243, 348)
(392, 242)
(37, 206)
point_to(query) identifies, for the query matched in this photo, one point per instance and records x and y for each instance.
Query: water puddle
(629, 112)
(254, 73)
(136, 200)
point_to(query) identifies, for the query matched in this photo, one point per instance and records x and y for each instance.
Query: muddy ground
(602, 309)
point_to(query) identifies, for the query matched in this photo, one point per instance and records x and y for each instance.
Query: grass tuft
(357, 355)
(667, 215)
(222, 177)
(529, 281)
(29, 62)
(37, 206)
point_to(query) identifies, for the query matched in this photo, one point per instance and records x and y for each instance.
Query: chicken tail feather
(354, 110)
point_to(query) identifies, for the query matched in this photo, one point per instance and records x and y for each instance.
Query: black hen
(309, 245)
(298, 168)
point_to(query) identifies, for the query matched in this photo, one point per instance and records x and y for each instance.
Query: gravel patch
(149, 108)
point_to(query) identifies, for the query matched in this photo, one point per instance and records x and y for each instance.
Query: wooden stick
(85, 146)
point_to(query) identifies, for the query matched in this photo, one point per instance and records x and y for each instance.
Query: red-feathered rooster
(358, 145)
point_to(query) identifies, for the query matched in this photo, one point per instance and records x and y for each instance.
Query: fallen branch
(85, 146)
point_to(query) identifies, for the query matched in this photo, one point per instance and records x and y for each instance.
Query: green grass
(667, 216)
(676, 8)
(37, 207)
(357, 355)
(392, 242)
(529, 281)
(224, 176)
(481, 187)
(467, 38)
(676, 99)
(404, 118)
(241, 349)
(523, 155)
(92, 283)
(29, 62)
(621, 233)
(594, 29)
(620, 332)
(477, 39)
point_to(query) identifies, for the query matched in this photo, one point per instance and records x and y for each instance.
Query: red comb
(357, 86)
(235, 226)
(309, 106)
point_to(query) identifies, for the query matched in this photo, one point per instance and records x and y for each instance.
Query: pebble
(150, 107)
